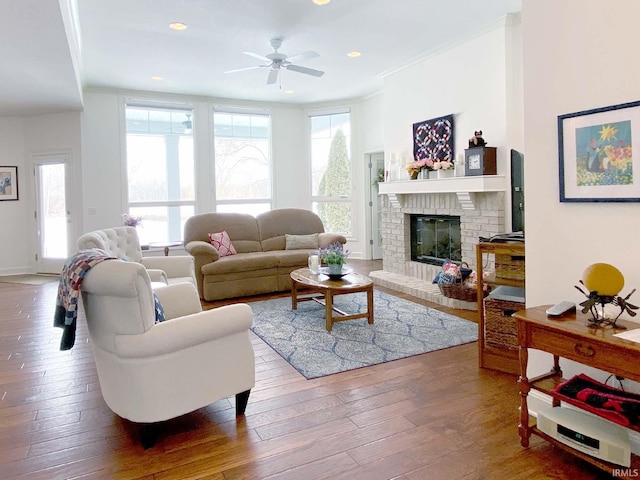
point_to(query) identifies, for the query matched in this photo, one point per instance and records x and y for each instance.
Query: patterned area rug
(401, 329)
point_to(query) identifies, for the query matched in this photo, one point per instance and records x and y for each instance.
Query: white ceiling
(123, 43)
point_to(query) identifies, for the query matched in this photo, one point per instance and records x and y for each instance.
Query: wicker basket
(509, 267)
(459, 290)
(499, 326)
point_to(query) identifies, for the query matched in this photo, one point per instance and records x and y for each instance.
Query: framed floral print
(8, 183)
(598, 161)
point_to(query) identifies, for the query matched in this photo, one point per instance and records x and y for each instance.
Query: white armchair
(150, 372)
(123, 242)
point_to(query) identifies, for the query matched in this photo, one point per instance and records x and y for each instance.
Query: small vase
(424, 174)
(414, 175)
(445, 173)
(335, 269)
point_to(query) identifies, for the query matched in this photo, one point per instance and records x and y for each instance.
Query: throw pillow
(449, 273)
(299, 242)
(222, 242)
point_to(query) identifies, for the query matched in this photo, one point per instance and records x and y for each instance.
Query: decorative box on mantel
(480, 161)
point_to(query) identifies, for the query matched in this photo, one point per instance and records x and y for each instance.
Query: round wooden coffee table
(319, 283)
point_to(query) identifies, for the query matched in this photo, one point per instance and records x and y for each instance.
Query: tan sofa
(263, 262)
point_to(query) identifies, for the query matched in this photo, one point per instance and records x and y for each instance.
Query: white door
(376, 172)
(52, 212)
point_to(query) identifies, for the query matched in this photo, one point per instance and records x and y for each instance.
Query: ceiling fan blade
(243, 69)
(273, 76)
(259, 57)
(302, 57)
(305, 70)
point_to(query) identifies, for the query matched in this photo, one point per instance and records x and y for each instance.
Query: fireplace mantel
(463, 187)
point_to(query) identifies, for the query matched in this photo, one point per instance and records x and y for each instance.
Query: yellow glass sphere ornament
(603, 278)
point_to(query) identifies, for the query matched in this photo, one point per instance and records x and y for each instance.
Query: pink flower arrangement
(415, 167)
(442, 165)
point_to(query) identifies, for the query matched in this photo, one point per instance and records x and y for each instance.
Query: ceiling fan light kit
(276, 60)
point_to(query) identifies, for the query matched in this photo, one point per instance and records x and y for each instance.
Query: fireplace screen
(434, 238)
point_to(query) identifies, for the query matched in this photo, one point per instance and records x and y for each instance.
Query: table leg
(370, 305)
(523, 382)
(328, 303)
(294, 295)
(558, 371)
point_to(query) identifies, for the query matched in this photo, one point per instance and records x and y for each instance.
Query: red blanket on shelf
(612, 403)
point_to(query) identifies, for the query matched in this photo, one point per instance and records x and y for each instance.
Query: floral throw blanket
(71, 278)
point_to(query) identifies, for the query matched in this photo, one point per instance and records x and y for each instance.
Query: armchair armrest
(156, 275)
(176, 266)
(178, 300)
(326, 238)
(184, 332)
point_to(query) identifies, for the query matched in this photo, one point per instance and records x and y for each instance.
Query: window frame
(347, 198)
(186, 108)
(229, 110)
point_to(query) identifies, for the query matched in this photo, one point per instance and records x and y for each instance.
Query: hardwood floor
(431, 416)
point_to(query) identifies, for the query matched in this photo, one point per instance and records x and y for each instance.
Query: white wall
(14, 215)
(578, 58)
(21, 139)
(469, 80)
(52, 134)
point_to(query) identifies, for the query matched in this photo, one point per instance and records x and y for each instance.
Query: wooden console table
(569, 337)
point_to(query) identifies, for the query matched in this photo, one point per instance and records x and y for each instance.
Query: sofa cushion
(222, 242)
(299, 242)
(242, 229)
(280, 222)
(242, 262)
(292, 258)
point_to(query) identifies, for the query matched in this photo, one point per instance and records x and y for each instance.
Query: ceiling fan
(276, 60)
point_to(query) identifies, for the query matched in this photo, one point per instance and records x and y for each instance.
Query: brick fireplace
(481, 212)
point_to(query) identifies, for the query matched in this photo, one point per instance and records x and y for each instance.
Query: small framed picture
(8, 183)
(598, 159)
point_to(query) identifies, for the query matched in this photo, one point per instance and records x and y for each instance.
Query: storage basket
(459, 291)
(509, 267)
(500, 328)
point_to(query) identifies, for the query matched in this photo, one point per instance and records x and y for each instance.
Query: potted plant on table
(335, 256)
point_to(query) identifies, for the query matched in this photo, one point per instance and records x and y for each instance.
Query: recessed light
(157, 78)
(178, 26)
(321, 2)
(288, 90)
(354, 54)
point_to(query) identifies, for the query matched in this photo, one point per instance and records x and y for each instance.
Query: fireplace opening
(435, 238)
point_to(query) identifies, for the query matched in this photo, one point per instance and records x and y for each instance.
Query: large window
(242, 162)
(160, 170)
(331, 170)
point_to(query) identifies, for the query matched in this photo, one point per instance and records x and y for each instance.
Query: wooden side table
(165, 245)
(569, 337)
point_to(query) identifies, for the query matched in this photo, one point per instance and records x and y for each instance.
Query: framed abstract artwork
(8, 183)
(433, 139)
(598, 161)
